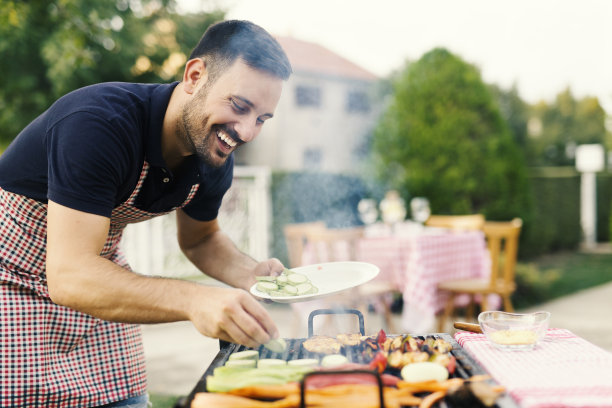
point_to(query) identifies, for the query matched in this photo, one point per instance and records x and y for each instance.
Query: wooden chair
(502, 242)
(332, 245)
(459, 222)
(295, 238)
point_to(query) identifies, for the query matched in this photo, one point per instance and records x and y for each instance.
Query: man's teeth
(226, 139)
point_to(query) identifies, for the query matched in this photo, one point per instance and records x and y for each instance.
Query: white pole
(588, 208)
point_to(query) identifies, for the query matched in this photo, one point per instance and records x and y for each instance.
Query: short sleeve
(88, 161)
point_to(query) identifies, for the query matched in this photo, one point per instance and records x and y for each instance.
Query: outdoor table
(415, 259)
(563, 370)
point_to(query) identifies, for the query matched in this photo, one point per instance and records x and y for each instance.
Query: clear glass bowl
(514, 331)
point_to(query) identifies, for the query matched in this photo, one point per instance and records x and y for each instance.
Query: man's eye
(237, 106)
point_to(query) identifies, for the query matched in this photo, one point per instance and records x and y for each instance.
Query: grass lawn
(538, 281)
(553, 276)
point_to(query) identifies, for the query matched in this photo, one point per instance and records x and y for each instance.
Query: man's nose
(247, 129)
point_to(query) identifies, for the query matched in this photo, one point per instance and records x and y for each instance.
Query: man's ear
(195, 72)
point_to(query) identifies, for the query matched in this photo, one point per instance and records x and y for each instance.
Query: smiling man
(98, 159)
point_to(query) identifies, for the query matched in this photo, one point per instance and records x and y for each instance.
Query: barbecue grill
(466, 366)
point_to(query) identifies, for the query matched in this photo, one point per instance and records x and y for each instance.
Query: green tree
(562, 125)
(515, 112)
(48, 48)
(443, 137)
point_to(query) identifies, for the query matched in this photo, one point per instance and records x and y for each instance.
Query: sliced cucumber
(304, 362)
(304, 288)
(297, 278)
(334, 360)
(288, 283)
(290, 290)
(267, 286)
(245, 355)
(226, 370)
(241, 363)
(276, 345)
(266, 278)
(271, 362)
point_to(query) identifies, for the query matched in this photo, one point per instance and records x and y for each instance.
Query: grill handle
(376, 374)
(335, 311)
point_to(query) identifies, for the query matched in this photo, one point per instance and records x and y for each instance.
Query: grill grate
(466, 366)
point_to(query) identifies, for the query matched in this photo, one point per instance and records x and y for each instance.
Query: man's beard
(192, 125)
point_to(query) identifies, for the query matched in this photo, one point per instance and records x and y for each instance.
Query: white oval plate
(329, 278)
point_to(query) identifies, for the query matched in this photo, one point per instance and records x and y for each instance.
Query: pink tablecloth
(416, 263)
(564, 370)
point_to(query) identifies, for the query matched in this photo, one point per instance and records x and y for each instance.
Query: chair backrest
(459, 222)
(295, 237)
(502, 241)
(335, 244)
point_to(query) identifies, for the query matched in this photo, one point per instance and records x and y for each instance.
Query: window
(312, 158)
(357, 102)
(307, 96)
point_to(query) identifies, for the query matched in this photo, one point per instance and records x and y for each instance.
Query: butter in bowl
(514, 331)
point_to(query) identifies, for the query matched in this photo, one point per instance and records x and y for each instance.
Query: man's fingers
(238, 335)
(261, 316)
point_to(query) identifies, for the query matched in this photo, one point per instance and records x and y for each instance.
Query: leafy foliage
(443, 138)
(560, 126)
(48, 48)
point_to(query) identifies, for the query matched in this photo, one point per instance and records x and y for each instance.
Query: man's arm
(79, 278)
(212, 251)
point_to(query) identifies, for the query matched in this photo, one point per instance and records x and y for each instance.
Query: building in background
(324, 117)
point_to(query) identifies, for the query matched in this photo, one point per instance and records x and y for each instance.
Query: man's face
(223, 115)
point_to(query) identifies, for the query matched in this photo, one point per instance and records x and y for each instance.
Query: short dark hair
(224, 42)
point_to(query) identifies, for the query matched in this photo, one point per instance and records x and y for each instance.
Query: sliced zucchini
(304, 362)
(241, 363)
(266, 286)
(265, 278)
(334, 360)
(276, 345)
(282, 280)
(297, 278)
(304, 288)
(290, 290)
(271, 362)
(245, 355)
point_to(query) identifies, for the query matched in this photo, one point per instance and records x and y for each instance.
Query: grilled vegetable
(271, 362)
(304, 362)
(424, 371)
(334, 360)
(226, 380)
(241, 363)
(245, 355)
(276, 345)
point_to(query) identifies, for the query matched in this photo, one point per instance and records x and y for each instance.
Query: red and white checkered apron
(51, 355)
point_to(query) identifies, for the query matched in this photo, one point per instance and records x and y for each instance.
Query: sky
(541, 46)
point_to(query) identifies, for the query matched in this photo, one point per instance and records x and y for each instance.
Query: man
(102, 157)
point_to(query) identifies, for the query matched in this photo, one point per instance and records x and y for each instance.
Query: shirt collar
(160, 98)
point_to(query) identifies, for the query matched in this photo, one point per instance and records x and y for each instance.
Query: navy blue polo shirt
(87, 150)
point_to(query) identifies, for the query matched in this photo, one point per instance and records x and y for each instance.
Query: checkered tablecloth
(415, 261)
(563, 370)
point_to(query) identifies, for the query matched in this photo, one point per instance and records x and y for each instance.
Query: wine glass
(368, 213)
(419, 207)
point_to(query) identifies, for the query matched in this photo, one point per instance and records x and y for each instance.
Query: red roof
(310, 57)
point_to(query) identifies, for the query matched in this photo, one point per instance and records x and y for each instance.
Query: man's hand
(269, 267)
(232, 315)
